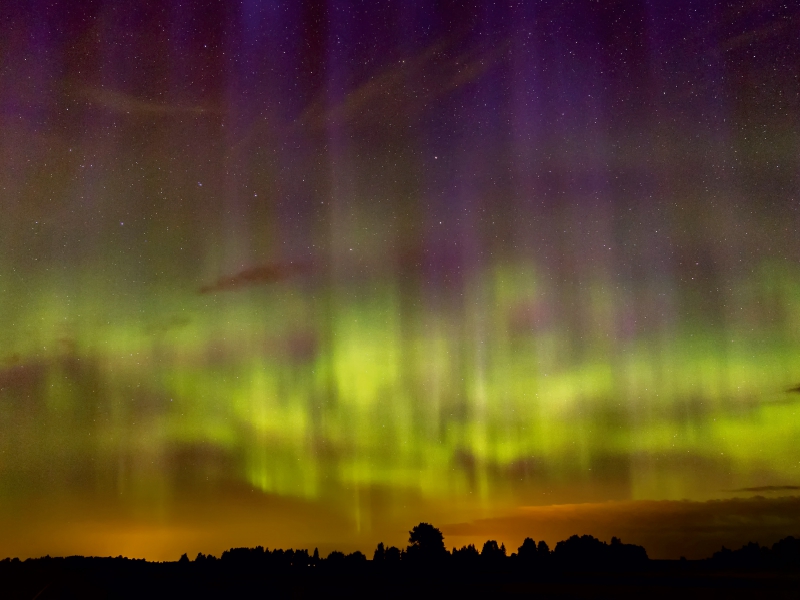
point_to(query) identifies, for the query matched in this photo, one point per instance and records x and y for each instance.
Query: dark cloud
(23, 377)
(770, 488)
(168, 325)
(667, 529)
(264, 274)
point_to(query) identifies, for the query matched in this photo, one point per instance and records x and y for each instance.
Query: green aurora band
(389, 265)
(314, 391)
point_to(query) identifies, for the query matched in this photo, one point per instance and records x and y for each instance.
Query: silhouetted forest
(581, 566)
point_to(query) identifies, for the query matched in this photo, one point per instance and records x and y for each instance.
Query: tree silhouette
(335, 557)
(356, 558)
(786, 552)
(393, 555)
(426, 543)
(380, 553)
(244, 572)
(542, 549)
(466, 552)
(527, 552)
(587, 551)
(491, 553)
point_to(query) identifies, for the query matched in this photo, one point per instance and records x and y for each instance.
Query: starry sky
(304, 274)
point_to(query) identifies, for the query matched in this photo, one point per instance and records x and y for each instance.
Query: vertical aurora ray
(384, 260)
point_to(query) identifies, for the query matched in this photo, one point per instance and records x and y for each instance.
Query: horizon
(668, 530)
(552, 549)
(273, 272)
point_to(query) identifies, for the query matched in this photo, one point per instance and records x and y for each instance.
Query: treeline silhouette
(783, 554)
(582, 559)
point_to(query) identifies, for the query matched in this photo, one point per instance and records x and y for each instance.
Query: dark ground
(661, 579)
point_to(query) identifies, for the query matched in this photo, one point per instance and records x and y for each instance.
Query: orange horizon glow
(667, 529)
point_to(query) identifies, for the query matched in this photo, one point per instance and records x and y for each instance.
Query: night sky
(305, 274)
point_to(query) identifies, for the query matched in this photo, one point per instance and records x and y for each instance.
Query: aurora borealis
(299, 273)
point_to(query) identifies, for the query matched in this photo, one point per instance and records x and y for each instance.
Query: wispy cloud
(400, 89)
(263, 274)
(118, 101)
(770, 488)
(406, 87)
